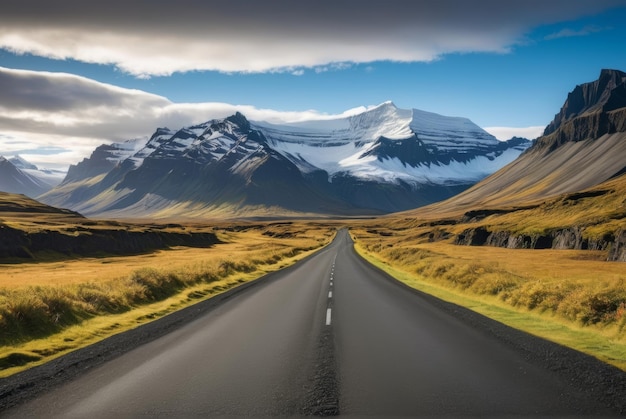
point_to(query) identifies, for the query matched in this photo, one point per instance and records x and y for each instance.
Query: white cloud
(57, 119)
(48, 150)
(569, 33)
(506, 133)
(281, 35)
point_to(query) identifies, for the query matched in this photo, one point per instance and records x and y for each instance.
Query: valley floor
(55, 304)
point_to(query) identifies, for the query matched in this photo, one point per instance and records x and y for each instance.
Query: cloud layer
(56, 119)
(160, 37)
(506, 133)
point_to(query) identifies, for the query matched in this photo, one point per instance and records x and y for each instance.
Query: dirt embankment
(83, 241)
(566, 238)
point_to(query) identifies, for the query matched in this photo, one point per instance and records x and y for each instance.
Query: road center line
(330, 294)
(328, 311)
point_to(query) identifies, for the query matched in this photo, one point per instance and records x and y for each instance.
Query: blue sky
(508, 66)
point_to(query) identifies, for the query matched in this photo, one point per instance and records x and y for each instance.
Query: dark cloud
(29, 90)
(162, 36)
(289, 15)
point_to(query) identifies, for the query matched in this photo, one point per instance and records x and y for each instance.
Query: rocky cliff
(15, 243)
(564, 238)
(28, 228)
(590, 111)
(584, 146)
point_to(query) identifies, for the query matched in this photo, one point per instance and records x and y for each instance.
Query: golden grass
(597, 211)
(244, 245)
(573, 297)
(591, 341)
(50, 308)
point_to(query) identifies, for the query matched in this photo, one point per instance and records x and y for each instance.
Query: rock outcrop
(584, 146)
(566, 238)
(16, 243)
(590, 111)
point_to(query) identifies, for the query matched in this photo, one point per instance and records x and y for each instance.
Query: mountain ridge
(590, 111)
(20, 176)
(341, 166)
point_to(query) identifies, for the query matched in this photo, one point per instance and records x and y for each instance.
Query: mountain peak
(382, 159)
(24, 180)
(384, 108)
(611, 73)
(605, 94)
(240, 120)
(20, 163)
(387, 104)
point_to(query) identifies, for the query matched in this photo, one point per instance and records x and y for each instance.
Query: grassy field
(573, 297)
(50, 307)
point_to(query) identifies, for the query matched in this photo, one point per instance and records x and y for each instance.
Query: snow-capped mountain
(20, 176)
(391, 145)
(103, 159)
(22, 164)
(381, 160)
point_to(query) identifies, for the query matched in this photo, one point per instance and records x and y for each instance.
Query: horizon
(106, 73)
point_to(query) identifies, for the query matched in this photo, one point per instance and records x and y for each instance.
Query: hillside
(31, 231)
(584, 146)
(14, 205)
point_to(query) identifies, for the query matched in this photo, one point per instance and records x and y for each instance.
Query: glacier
(347, 146)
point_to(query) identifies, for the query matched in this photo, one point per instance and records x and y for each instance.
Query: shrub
(156, 285)
(60, 308)
(100, 298)
(496, 283)
(25, 313)
(603, 306)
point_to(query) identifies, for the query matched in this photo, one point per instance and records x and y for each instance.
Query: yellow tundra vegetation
(48, 308)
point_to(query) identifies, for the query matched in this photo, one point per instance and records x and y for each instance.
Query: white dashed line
(330, 293)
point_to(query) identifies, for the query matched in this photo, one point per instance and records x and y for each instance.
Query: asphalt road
(330, 336)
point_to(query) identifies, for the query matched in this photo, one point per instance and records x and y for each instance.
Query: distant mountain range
(383, 160)
(19, 176)
(582, 147)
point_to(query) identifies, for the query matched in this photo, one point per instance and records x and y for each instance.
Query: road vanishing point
(331, 335)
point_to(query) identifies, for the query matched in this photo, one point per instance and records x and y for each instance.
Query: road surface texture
(330, 335)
